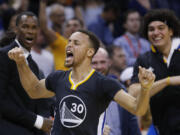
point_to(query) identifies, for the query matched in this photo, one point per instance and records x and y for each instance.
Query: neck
(134, 33)
(57, 28)
(165, 50)
(36, 49)
(81, 71)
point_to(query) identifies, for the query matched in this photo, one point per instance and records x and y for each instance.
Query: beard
(68, 65)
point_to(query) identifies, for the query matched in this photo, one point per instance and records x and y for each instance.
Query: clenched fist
(146, 78)
(47, 125)
(17, 55)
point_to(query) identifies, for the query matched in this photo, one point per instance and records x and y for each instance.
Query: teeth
(157, 38)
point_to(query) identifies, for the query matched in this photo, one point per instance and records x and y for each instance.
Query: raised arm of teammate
(138, 105)
(159, 85)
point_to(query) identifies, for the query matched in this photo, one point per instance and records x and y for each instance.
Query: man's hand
(47, 125)
(106, 130)
(146, 78)
(17, 55)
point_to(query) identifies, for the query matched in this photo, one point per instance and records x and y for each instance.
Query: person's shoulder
(8, 47)
(4, 50)
(145, 42)
(119, 40)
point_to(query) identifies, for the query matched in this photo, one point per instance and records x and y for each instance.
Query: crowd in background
(117, 23)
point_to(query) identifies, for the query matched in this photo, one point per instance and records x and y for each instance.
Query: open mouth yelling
(29, 40)
(69, 55)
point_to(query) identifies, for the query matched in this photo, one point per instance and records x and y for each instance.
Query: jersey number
(79, 108)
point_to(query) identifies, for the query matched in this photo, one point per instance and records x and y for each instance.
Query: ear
(15, 29)
(171, 32)
(90, 52)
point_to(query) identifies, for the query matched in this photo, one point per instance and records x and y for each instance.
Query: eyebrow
(157, 25)
(75, 40)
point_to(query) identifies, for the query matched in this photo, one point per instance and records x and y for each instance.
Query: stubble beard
(68, 65)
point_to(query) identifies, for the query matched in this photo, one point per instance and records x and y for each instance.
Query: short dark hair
(93, 39)
(110, 49)
(126, 14)
(163, 15)
(77, 19)
(28, 13)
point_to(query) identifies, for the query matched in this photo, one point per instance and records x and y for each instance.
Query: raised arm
(138, 105)
(48, 33)
(34, 87)
(159, 85)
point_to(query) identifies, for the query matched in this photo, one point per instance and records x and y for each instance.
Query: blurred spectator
(122, 7)
(41, 56)
(55, 40)
(57, 17)
(5, 14)
(69, 11)
(6, 17)
(118, 119)
(101, 61)
(101, 25)
(10, 34)
(131, 41)
(142, 6)
(118, 60)
(91, 10)
(71, 26)
(24, 4)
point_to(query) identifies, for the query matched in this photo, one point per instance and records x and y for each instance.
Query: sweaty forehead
(79, 36)
(25, 18)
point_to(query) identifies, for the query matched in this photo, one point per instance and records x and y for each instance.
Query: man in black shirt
(160, 26)
(20, 114)
(82, 94)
